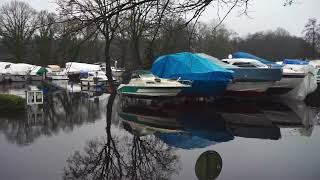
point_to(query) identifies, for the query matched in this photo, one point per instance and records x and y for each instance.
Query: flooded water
(79, 135)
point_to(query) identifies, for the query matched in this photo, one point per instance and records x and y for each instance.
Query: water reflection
(158, 131)
(122, 157)
(144, 139)
(61, 111)
(189, 126)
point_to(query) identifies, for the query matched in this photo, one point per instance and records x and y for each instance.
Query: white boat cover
(75, 67)
(54, 68)
(315, 63)
(20, 69)
(307, 86)
(4, 66)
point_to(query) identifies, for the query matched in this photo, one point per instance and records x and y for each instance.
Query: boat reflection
(189, 126)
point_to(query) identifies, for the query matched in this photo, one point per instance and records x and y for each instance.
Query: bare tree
(312, 34)
(107, 16)
(17, 25)
(45, 36)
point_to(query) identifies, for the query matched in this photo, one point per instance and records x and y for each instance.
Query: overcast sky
(264, 15)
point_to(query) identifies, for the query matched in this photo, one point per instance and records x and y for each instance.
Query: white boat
(55, 72)
(115, 70)
(250, 76)
(75, 70)
(291, 77)
(143, 83)
(246, 63)
(90, 80)
(316, 65)
(22, 72)
(117, 73)
(297, 82)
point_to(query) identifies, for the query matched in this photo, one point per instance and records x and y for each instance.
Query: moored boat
(55, 72)
(298, 79)
(143, 83)
(75, 69)
(250, 76)
(298, 75)
(22, 72)
(207, 78)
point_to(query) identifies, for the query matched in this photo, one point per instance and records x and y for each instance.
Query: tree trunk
(135, 47)
(313, 42)
(108, 65)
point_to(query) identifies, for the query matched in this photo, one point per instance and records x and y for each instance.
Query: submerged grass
(9, 102)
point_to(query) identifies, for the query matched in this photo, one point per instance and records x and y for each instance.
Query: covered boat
(76, 70)
(22, 72)
(55, 72)
(250, 76)
(208, 79)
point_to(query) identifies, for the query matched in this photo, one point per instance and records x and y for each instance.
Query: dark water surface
(73, 136)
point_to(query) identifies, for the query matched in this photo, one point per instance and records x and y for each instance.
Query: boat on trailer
(144, 83)
(294, 73)
(298, 79)
(249, 77)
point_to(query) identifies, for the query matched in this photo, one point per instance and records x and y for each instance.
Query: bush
(9, 102)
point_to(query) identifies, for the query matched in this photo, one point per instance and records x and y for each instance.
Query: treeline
(45, 39)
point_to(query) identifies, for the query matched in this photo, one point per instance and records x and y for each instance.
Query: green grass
(9, 102)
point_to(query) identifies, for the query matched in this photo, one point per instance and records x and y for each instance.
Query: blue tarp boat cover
(192, 141)
(295, 61)
(188, 66)
(200, 131)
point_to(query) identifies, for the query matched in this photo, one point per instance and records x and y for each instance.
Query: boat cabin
(247, 63)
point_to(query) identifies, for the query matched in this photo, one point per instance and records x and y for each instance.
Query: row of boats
(73, 71)
(185, 74)
(203, 75)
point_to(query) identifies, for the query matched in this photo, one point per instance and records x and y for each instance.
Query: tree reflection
(122, 157)
(61, 111)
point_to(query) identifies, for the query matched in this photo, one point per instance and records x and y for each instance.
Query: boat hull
(17, 78)
(59, 77)
(36, 78)
(149, 91)
(286, 84)
(257, 74)
(247, 89)
(206, 88)
(249, 86)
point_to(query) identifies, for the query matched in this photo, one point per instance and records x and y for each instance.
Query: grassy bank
(10, 102)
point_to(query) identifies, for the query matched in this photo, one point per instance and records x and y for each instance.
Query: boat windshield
(146, 75)
(143, 74)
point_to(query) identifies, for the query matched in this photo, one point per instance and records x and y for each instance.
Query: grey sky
(264, 15)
